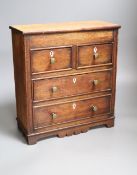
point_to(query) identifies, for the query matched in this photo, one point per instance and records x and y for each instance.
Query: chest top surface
(64, 27)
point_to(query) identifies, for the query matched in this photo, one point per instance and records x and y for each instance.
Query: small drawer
(94, 55)
(70, 111)
(51, 59)
(66, 86)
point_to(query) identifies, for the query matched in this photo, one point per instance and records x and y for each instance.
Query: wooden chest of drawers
(65, 77)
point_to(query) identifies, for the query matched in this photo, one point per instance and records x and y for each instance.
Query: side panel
(22, 80)
(114, 69)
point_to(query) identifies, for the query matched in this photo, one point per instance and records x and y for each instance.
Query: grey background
(100, 151)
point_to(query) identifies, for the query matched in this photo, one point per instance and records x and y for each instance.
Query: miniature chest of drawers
(65, 77)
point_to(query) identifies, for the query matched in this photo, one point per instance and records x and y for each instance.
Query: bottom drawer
(44, 116)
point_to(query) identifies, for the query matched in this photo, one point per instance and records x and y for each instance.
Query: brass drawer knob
(94, 108)
(54, 115)
(54, 89)
(95, 82)
(52, 60)
(96, 55)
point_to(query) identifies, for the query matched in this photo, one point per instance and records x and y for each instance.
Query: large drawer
(94, 55)
(65, 86)
(69, 111)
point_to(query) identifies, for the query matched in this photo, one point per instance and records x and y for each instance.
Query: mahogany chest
(65, 77)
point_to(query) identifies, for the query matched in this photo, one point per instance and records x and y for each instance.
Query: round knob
(54, 115)
(94, 108)
(54, 89)
(95, 82)
(52, 60)
(96, 55)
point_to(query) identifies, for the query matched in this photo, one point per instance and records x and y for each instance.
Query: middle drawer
(73, 85)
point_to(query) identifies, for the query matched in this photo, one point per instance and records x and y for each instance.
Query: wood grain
(22, 80)
(64, 27)
(20, 74)
(41, 59)
(66, 87)
(66, 112)
(86, 55)
(75, 38)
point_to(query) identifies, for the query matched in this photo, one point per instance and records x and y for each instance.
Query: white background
(100, 151)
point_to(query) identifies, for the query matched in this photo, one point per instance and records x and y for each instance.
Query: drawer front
(67, 112)
(61, 87)
(94, 55)
(70, 38)
(51, 59)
